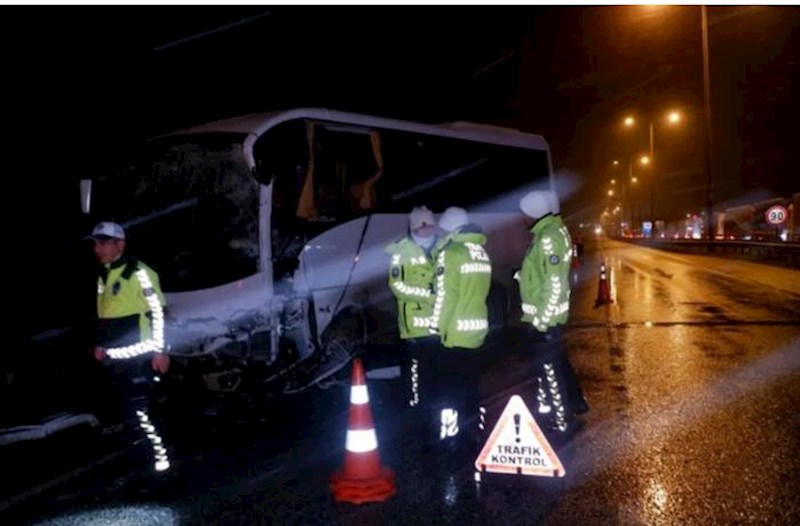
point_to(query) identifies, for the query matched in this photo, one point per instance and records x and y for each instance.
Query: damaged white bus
(268, 230)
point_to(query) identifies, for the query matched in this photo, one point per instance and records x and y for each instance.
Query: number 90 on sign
(776, 215)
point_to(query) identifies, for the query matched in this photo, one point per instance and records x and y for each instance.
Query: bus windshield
(190, 206)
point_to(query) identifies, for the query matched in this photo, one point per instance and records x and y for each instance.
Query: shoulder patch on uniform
(554, 259)
(395, 272)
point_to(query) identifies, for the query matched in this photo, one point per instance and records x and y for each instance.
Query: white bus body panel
(326, 263)
(200, 314)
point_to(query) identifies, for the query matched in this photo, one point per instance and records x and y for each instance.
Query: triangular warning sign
(518, 446)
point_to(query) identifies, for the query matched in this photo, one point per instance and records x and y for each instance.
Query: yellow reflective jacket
(463, 281)
(544, 277)
(411, 282)
(130, 309)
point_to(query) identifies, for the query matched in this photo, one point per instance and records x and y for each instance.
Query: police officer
(460, 319)
(411, 282)
(130, 329)
(545, 293)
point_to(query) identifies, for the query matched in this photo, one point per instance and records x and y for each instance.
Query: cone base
(360, 491)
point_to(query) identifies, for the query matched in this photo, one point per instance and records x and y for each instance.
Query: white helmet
(539, 203)
(106, 230)
(420, 216)
(453, 218)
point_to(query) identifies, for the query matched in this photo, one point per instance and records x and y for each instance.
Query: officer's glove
(160, 362)
(99, 354)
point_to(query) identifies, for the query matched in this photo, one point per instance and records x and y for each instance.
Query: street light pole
(630, 178)
(652, 179)
(707, 94)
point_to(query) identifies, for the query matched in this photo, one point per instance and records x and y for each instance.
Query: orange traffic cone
(362, 479)
(603, 294)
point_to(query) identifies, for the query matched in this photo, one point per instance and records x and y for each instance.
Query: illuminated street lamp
(622, 195)
(625, 196)
(671, 118)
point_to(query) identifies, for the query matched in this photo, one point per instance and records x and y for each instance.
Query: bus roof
(258, 123)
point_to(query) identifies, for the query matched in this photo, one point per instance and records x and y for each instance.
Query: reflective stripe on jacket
(411, 282)
(130, 309)
(544, 278)
(463, 280)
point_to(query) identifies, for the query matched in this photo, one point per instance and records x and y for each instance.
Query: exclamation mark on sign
(516, 426)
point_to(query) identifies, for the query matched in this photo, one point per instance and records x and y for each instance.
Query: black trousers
(556, 387)
(132, 387)
(418, 362)
(456, 400)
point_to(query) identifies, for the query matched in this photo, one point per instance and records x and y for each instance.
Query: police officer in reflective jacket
(461, 320)
(411, 281)
(130, 329)
(545, 293)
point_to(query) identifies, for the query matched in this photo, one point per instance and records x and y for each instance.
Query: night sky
(96, 77)
(82, 83)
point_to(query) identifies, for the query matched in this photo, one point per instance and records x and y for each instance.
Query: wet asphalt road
(692, 374)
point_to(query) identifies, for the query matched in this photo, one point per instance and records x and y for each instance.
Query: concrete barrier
(779, 254)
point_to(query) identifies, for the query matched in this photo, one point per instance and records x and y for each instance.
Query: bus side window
(347, 166)
(407, 172)
(307, 202)
(363, 194)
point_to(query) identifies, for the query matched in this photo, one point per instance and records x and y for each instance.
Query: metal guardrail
(50, 426)
(780, 254)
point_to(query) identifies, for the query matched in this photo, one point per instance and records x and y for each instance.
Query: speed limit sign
(777, 215)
